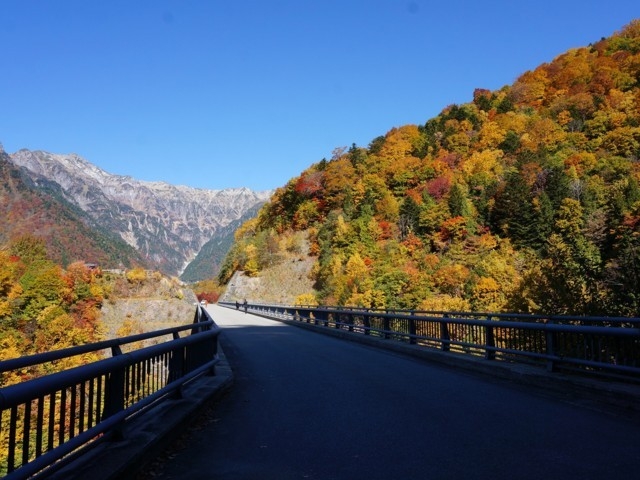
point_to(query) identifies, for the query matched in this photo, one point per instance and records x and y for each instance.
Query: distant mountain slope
(209, 259)
(167, 224)
(37, 207)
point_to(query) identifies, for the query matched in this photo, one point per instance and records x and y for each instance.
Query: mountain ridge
(168, 224)
(68, 232)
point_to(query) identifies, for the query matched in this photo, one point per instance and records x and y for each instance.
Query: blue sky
(218, 94)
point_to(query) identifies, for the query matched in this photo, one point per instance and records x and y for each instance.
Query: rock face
(168, 224)
(40, 209)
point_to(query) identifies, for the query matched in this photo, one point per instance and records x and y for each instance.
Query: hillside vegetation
(284, 276)
(142, 301)
(44, 306)
(525, 199)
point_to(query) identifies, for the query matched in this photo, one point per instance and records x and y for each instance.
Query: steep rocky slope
(168, 224)
(285, 281)
(40, 208)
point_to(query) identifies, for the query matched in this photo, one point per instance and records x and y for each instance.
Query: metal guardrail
(50, 420)
(602, 346)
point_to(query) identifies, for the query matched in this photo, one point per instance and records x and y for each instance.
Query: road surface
(309, 406)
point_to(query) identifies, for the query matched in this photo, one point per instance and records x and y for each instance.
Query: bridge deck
(310, 406)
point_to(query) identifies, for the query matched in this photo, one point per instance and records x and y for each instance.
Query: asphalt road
(309, 406)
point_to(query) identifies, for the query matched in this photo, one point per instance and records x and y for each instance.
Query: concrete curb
(150, 434)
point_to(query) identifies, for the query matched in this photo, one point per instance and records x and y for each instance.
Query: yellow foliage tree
(356, 269)
(530, 88)
(338, 181)
(136, 275)
(10, 348)
(491, 135)
(306, 299)
(367, 299)
(486, 295)
(445, 303)
(248, 228)
(251, 266)
(450, 279)
(484, 162)
(542, 132)
(306, 214)
(516, 122)
(400, 142)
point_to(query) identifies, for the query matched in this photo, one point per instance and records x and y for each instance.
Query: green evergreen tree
(623, 269)
(574, 266)
(514, 215)
(409, 217)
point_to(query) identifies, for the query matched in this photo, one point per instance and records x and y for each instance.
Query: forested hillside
(525, 199)
(45, 307)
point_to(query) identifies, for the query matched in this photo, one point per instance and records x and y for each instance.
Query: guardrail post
(366, 320)
(114, 394)
(444, 335)
(489, 352)
(550, 350)
(412, 330)
(176, 367)
(320, 317)
(386, 327)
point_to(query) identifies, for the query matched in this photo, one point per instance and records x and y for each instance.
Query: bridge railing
(603, 346)
(50, 420)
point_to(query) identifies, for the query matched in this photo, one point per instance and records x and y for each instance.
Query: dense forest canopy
(525, 199)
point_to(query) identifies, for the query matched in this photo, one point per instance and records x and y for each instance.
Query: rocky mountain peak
(169, 224)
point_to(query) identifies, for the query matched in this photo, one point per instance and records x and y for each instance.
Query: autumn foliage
(524, 199)
(44, 307)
